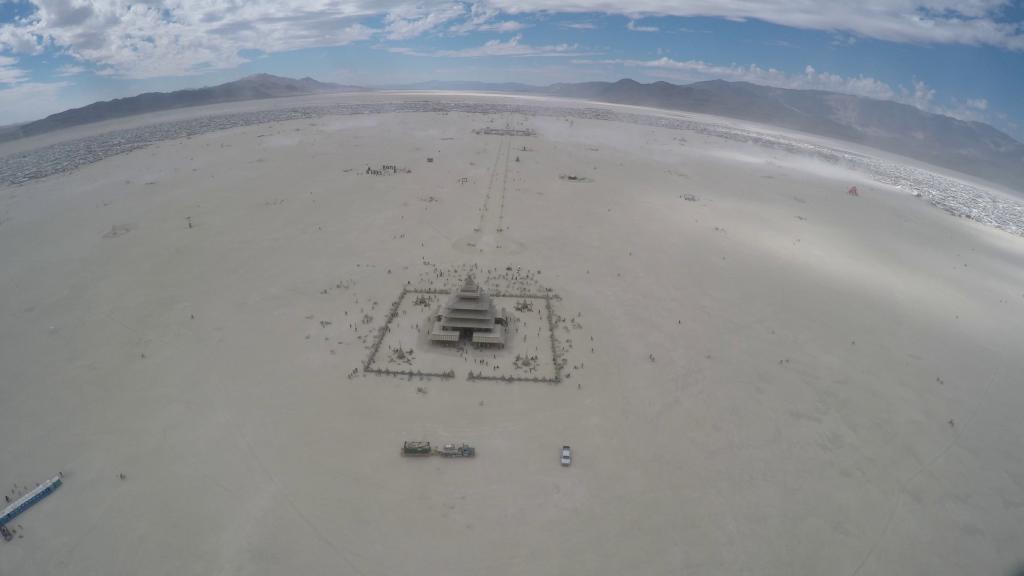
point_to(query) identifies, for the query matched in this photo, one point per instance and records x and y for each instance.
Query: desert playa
(771, 354)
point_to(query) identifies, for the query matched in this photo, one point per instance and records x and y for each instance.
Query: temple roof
(470, 307)
(470, 289)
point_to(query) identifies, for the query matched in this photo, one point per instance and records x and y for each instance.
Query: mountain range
(970, 147)
(255, 87)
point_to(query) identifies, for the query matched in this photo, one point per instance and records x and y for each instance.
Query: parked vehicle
(460, 451)
(566, 455)
(415, 448)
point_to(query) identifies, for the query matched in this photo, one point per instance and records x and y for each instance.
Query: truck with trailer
(418, 448)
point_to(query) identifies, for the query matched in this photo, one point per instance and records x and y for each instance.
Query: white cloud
(843, 40)
(973, 22)
(972, 109)
(632, 25)
(70, 70)
(511, 47)
(504, 26)
(148, 38)
(481, 19)
(977, 103)
(20, 39)
(921, 95)
(151, 38)
(9, 72)
(179, 37)
(412, 20)
(859, 85)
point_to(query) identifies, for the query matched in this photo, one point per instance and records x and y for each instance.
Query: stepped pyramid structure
(469, 312)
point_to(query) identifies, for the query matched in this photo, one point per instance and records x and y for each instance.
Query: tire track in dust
(490, 185)
(927, 467)
(504, 186)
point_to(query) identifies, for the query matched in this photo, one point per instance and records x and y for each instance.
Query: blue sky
(963, 58)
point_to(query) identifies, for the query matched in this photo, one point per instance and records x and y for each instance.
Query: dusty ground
(770, 377)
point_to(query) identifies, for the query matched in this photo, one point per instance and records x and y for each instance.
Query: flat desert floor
(761, 373)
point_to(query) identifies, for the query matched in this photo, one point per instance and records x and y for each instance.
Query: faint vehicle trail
(504, 186)
(487, 234)
(485, 209)
(896, 506)
(248, 447)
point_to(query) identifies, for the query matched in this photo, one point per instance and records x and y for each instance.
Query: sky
(963, 58)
